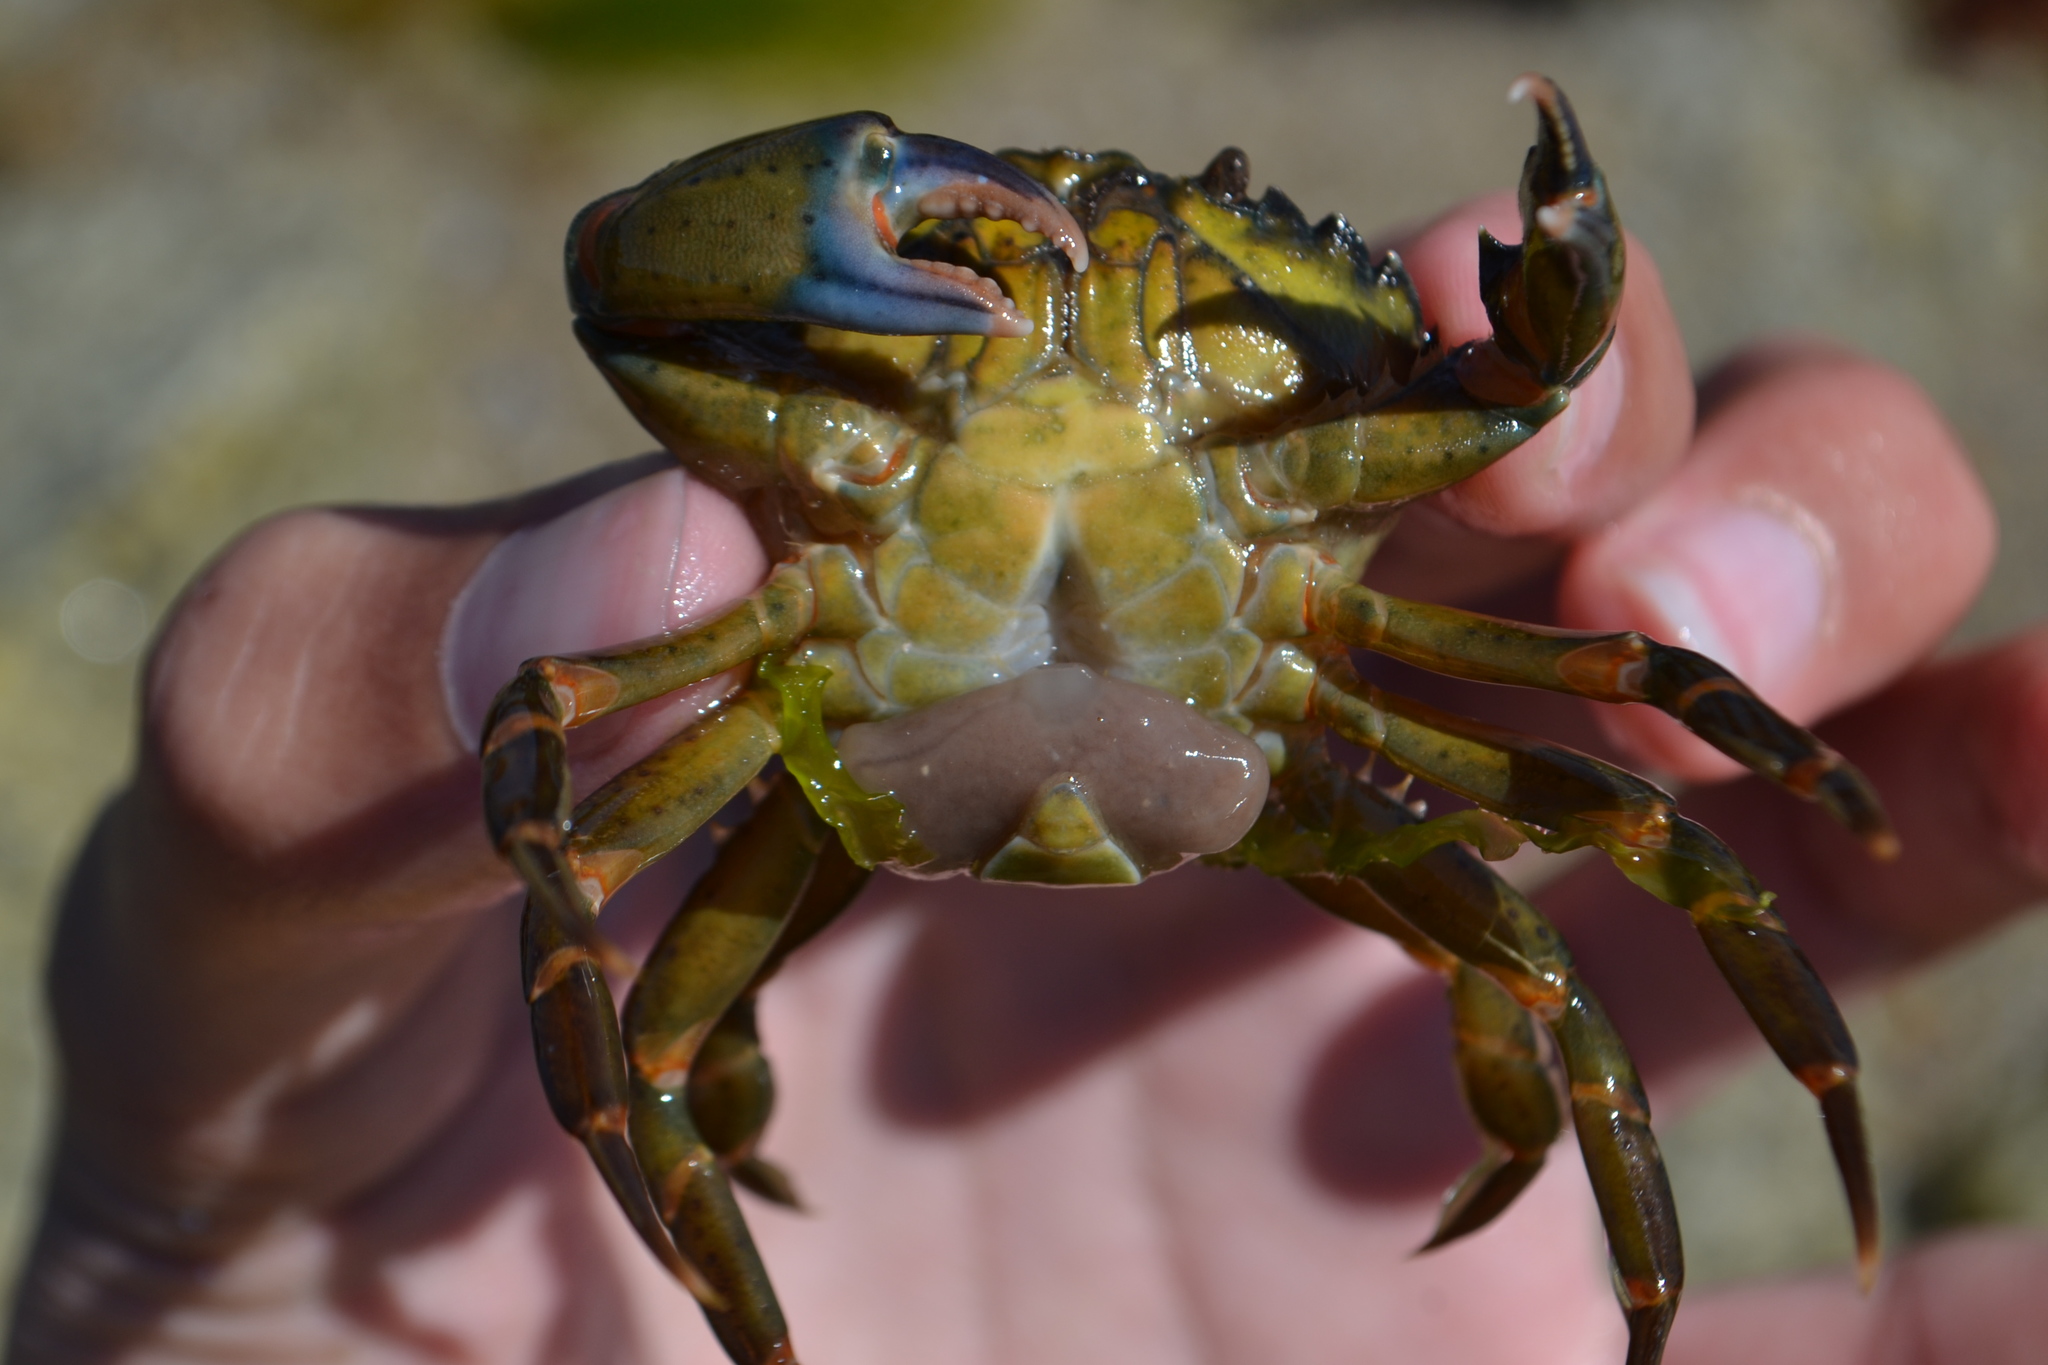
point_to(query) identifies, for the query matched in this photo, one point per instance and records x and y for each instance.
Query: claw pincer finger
(1552, 298)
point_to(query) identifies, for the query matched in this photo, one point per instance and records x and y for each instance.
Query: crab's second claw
(1552, 299)
(801, 225)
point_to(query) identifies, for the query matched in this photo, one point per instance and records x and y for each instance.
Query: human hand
(1188, 1119)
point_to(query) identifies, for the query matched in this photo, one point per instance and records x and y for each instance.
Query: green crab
(1073, 470)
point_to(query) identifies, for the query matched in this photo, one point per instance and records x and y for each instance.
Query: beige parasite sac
(1074, 469)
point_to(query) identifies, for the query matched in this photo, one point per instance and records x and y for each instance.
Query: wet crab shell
(1074, 469)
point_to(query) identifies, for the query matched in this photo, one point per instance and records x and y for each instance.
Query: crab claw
(801, 225)
(1552, 299)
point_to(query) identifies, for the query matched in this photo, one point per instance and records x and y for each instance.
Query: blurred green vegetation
(652, 32)
(654, 36)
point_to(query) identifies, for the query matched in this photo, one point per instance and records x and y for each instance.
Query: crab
(1074, 469)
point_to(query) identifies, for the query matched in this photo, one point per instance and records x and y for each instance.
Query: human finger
(299, 751)
(646, 559)
(273, 976)
(1824, 532)
(1960, 750)
(1626, 427)
(333, 662)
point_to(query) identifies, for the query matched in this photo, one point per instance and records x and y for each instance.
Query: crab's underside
(1075, 468)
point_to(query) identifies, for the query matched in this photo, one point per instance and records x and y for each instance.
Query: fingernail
(1745, 586)
(644, 559)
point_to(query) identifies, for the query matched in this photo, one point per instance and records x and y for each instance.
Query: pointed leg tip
(1440, 1237)
(1869, 1262)
(1649, 1325)
(769, 1181)
(1842, 1115)
(1482, 1195)
(1869, 1242)
(1848, 796)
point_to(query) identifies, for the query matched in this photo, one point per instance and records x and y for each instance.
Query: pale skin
(1190, 1121)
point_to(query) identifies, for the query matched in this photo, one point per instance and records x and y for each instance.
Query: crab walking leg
(566, 690)
(1779, 990)
(702, 964)
(577, 1043)
(1515, 775)
(569, 871)
(1578, 799)
(732, 1087)
(1623, 667)
(838, 881)
(1448, 898)
(1612, 1117)
(1507, 1085)
(667, 796)
(1501, 1073)
(731, 1096)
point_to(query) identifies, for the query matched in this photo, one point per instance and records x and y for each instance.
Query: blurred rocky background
(257, 254)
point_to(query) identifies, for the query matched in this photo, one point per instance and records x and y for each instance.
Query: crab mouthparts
(981, 198)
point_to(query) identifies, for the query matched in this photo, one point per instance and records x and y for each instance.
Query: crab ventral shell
(1062, 775)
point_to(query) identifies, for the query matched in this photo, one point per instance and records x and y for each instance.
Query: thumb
(315, 703)
(645, 559)
(273, 934)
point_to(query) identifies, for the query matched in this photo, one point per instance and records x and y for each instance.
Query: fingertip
(1749, 586)
(1824, 533)
(1627, 424)
(1865, 449)
(1959, 753)
(644, 559)
(593, 575)
(295, 681)
(2007, 742)
(329, 660)
(721, 561)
